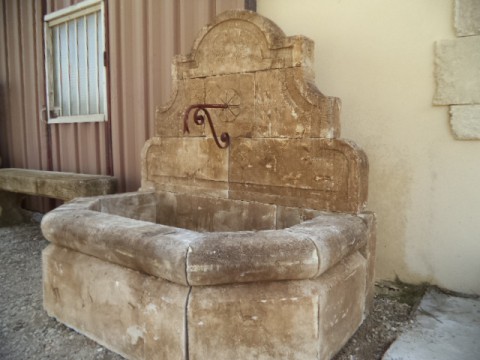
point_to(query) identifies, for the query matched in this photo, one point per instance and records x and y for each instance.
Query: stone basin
(286, 283)
(258, 247)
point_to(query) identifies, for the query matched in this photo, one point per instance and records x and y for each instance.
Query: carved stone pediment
(284, 146)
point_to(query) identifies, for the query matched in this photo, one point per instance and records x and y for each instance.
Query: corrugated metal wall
(143, 37)
(22, 132)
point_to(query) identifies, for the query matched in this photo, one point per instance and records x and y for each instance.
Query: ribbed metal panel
(143, 38)
(23, 135)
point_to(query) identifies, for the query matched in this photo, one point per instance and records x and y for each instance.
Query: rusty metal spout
(199, 119)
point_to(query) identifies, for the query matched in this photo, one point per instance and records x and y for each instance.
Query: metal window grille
(75, 48)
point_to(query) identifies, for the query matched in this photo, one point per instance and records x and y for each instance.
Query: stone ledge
(193, 258)
(59, 185)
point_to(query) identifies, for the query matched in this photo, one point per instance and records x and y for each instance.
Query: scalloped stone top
(284, 132)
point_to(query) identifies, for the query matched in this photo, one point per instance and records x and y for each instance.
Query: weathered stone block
(107, 318)
(457, 71)
(131, 313)
(258, 256)
(275, 113)
(213, 214)
(465, 121)
(467, 17)
(229, 50)
(369, 252)
(177, 164)
(261, 321)
(342, 304)
(322, 112)
(307, 173)
(334, 235)
(169, 118)
(154, 249)
(164, 315)
(278, 320)
(17, 180)
(288, 216)
(138, 206)
(58, 185)
(237, 91)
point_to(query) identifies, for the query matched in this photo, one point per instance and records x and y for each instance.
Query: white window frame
(81, 9)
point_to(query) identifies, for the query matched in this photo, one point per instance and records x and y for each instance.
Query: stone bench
(58, 185)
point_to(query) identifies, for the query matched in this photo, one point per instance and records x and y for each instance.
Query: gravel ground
(26, 332)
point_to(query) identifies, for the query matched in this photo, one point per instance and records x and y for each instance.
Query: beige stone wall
(378, 57)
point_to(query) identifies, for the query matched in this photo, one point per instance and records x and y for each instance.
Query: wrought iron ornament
(199, 119)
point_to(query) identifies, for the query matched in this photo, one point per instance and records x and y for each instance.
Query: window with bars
(75, 63)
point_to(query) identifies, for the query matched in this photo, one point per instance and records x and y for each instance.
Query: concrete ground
(445, 327)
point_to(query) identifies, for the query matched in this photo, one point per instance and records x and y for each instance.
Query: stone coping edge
(190, 258)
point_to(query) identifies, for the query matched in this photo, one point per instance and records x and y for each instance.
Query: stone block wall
(458, 72)
(284, 133)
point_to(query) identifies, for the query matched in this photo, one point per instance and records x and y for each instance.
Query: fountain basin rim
(190, 258)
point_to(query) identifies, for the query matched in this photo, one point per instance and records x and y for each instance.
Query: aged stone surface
(278, 320)
(237, 91)
(186, 257)
(58, 185)
(457, 71)
(247, 62)
(191, 164)
(185, 93)
(138, 206)
(342, 304)
(165, 319)
(310, 173)
(236, 257)
(131, 313)
(467, 17)
(334, 235)
(201, 213)
(369, 251)
(289, 216)
(154, 249)
(143, 317)
(465, 121)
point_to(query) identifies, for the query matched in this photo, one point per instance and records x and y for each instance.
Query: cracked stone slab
(446, 327)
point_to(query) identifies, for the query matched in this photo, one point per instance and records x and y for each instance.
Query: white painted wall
(378, 57)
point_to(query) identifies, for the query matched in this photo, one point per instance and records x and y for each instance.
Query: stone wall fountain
(251, 244)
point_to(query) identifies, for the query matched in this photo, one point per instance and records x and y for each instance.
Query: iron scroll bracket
(199, 119)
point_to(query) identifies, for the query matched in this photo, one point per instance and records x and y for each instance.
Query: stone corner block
(465, 122)
(467, 17)
(457, 71)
